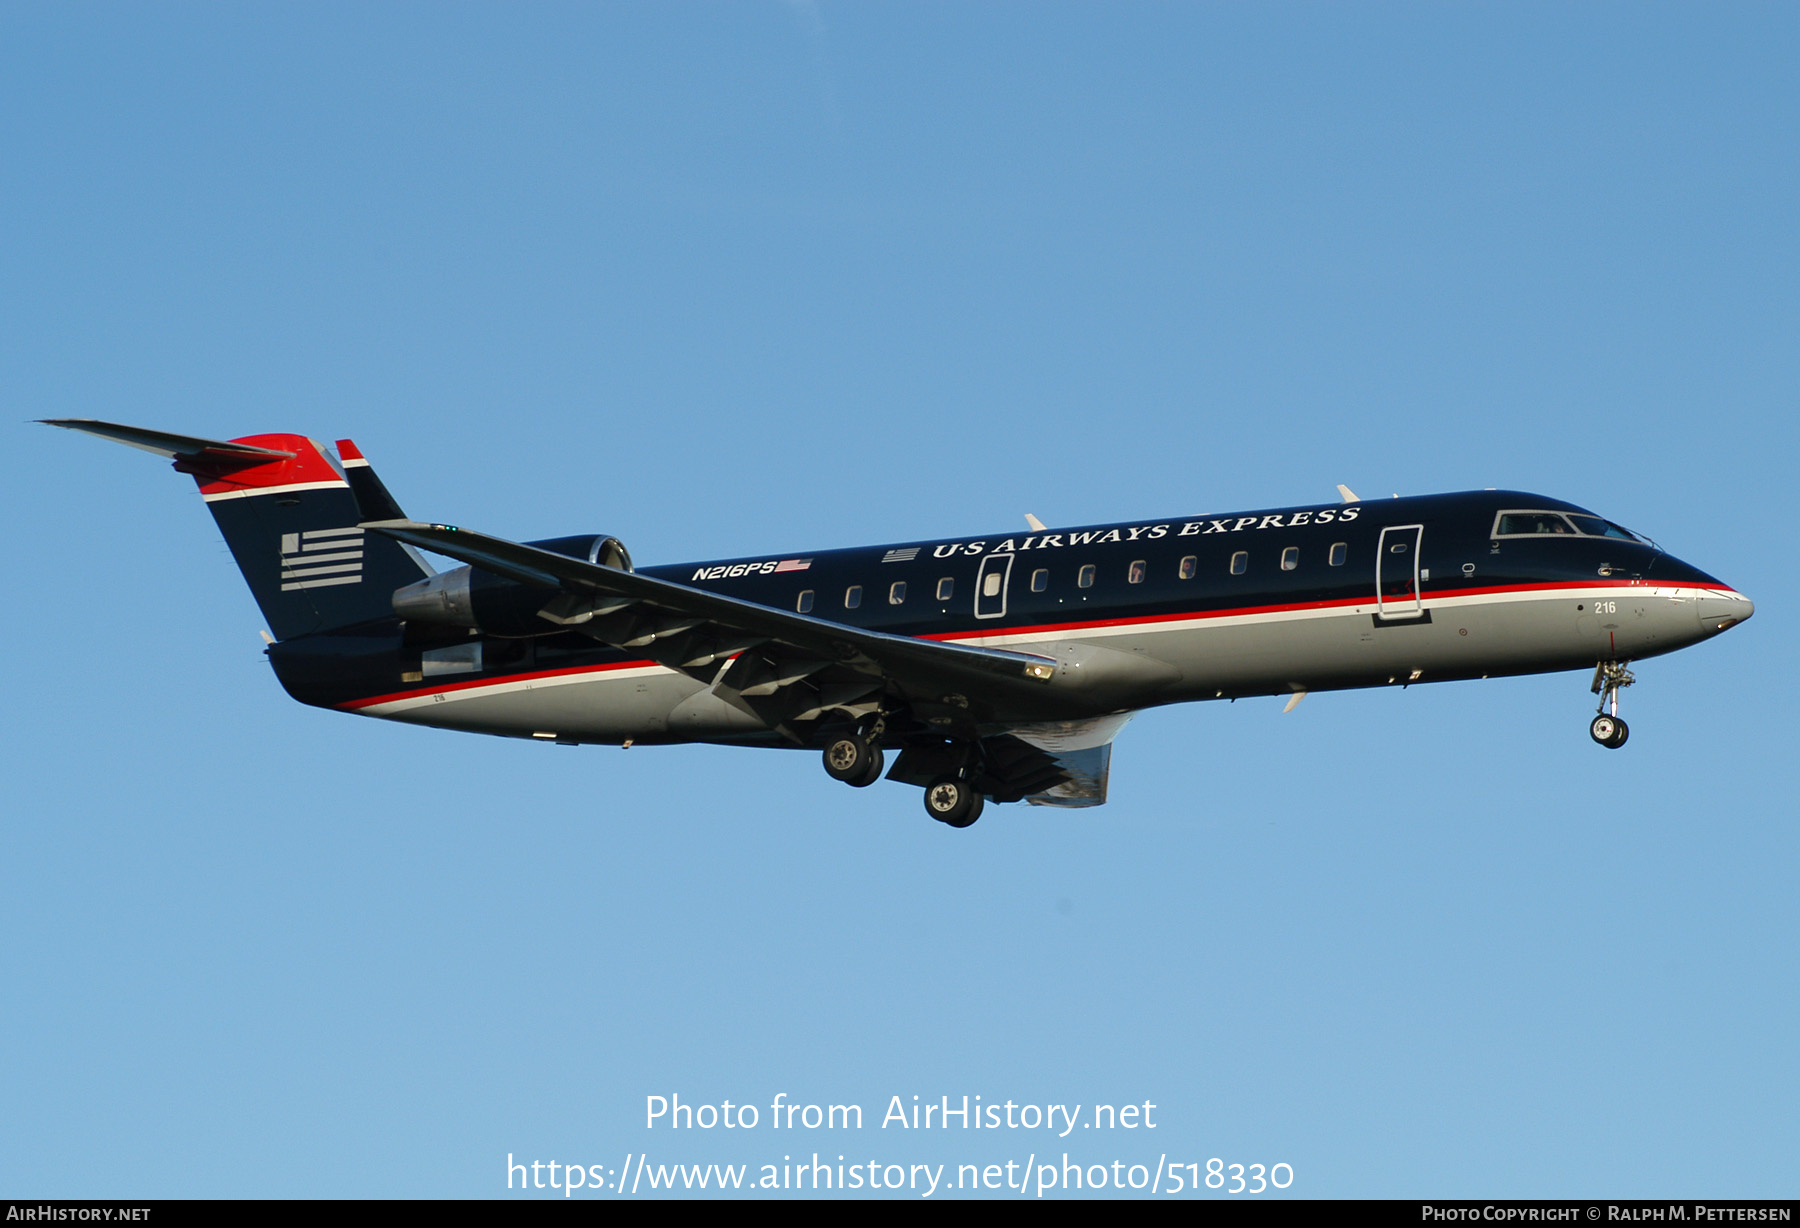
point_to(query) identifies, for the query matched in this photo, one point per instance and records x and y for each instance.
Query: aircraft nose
(1720, 610)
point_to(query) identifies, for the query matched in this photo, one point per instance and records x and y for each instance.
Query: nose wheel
(1609, 731)
(1609, 728)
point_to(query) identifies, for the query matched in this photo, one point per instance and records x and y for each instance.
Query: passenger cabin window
(1240, 562)
(804, 605)
(1532, 524)
(1290, 558)
(1136, 574)
(1190, 567)
(945, 588)
(1085, 578)
(897, 592)
(1339, 551)
(853, 596)
(1040, 579)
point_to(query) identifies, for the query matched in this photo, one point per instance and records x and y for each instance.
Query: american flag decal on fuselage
(793, 565)
(904, 555)
(321, 557)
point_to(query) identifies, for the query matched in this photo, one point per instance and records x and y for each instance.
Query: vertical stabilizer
(292, 526)
(291, 521)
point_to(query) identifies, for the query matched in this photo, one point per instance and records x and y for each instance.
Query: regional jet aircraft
(996, 667)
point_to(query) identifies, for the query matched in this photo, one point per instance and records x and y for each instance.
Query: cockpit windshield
(1559, 524)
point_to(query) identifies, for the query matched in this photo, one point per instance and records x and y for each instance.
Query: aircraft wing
(781, 666)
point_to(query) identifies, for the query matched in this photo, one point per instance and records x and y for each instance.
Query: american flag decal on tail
(318, 558)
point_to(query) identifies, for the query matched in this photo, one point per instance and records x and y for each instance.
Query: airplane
(998, 666)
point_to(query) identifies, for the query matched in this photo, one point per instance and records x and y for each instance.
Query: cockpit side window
(1596, 527)
(1532, 524)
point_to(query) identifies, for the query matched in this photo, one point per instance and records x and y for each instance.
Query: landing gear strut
(1608, 728)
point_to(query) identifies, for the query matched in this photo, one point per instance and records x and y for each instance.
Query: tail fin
(290, 518)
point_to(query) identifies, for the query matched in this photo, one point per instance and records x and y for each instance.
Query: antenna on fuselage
(1348, 494)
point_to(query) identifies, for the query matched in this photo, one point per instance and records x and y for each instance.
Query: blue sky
(744, 279)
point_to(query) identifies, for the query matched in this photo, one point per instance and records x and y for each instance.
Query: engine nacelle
(470, 597)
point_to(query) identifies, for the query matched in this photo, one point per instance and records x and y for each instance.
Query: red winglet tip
(347, 450)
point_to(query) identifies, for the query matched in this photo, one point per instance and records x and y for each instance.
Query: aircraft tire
(848, 758)
(873, 773)
(950, 800)
(1609, 731)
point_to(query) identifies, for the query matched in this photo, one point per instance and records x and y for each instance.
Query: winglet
(1348, 494)
(372, 498)
(1037, 526)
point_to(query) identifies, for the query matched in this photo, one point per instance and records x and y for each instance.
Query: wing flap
(1047, 763)
(1082, 752)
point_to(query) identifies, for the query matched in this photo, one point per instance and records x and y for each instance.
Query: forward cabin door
(990, 586)
(1397, 572)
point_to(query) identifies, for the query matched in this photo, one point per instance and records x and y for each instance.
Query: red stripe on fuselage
(1337, 603)
(1043, 628)
(447, 687)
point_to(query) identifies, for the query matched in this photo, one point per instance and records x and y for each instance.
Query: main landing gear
(853, 759)
(949, 799)
(1609, 728)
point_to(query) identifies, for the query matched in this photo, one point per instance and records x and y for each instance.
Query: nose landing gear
(1608, 728)
(1609, 731)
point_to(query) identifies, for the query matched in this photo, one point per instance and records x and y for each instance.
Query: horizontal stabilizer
(208, 453)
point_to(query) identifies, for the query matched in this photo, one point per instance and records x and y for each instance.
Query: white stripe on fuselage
(603, 674)
(508, 686)
(1602, 592)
